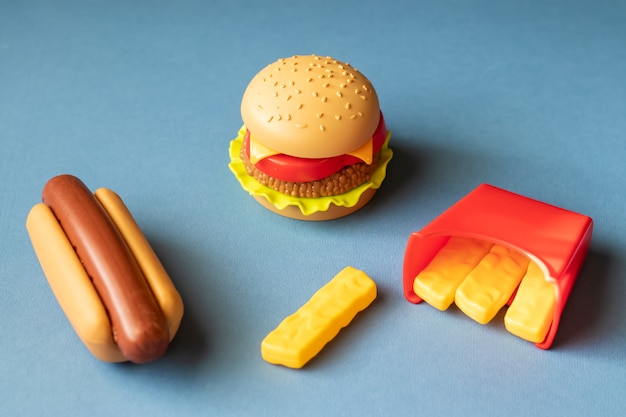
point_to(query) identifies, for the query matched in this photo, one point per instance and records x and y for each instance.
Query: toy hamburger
(314, 141)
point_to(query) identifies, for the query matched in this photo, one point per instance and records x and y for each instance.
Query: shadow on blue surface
(590, 316)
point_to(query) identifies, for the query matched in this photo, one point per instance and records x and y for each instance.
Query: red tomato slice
(295, 169)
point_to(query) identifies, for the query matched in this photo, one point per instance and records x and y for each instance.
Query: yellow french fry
(491, 283)
(530, 314)
(301, 336)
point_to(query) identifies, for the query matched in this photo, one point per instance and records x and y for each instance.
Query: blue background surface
(143, 98)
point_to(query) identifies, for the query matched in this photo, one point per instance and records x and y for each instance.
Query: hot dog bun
(71, 285)
(112, 273)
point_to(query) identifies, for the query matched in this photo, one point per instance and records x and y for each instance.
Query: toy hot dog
(102, 270)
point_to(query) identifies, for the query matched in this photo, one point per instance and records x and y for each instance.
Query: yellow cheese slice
(530, 314)
(491, 283)
(259, 151)
(365, 152)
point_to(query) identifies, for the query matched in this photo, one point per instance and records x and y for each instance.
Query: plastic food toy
(301, 336)
(314, 142)
(495, 248)
(103, 272)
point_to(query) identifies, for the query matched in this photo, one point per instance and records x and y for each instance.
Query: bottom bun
(333, 212)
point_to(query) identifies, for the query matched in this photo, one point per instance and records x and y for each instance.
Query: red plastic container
(556, 239)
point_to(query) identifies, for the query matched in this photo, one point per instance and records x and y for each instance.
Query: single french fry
(530, 314)
(491, 283)
(301, 336)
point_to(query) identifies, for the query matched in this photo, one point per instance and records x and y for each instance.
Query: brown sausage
(138, 324)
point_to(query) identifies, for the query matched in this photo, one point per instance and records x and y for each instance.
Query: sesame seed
(348, 106)
(322, 128)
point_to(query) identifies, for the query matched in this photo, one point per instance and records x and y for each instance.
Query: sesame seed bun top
(311, 107)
